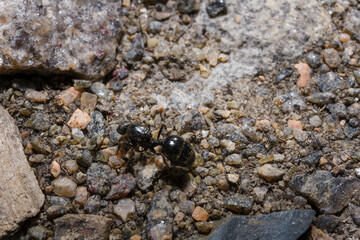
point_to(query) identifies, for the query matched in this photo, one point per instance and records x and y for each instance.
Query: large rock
(20, 194)
(268, 31)
(82, 226)
(59, 37)
(289, 225)
(327, 193)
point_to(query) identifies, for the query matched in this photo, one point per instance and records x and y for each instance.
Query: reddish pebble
(68, 96)
(295, 124)
(200, 214)
(88, 101)
(305, 76)
(79, 119)
(35, 96)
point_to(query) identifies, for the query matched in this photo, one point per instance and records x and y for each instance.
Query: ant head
(122, 128)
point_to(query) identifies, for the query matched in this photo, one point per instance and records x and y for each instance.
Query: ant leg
(159, 133)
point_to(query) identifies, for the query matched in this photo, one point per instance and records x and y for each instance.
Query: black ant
(174, 148)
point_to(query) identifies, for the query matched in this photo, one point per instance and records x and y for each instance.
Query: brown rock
(82, 226)
(331, 57)
(88, 101)
(200, 214)
(68, 96)
(35, 96)
(317, 234)
(81, 195)
(270, 173)
(294, 124)
(20, 197)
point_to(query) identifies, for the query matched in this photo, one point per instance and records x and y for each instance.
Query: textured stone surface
(289, 225)
(20, 195)
(82, 226)
(327, 193)
(59, 37)
(260, 37)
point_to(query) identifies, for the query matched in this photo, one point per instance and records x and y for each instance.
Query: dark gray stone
(187, 6)
(327, 222)
(239, 204)
(355, 213)
(84, 158)
(330, 81)
(321, 99)
(339, 109)
(137, 50)
(96, 127)
(39, 121)
(58, 206)
(312, 159)
(351, 132)
(93, 204)
(289, 225)
(325, 192)
(216, 7)
(313, 60)
(98, 178)
(285, 73)
(291, 102)
(231, 132)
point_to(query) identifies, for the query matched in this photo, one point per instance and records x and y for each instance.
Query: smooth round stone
(64, 187)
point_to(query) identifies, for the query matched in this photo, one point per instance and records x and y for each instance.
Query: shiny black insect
(174, 148)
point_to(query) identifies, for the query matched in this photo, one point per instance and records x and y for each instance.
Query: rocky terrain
(266, 92)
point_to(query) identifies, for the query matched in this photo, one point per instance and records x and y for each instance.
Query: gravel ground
(260, 149)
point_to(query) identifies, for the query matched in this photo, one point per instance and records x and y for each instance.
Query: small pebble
(71, 166)
(39, 232)
(223, 57)
(305, 76)
(321, 99)
(331, 57)
(36, 96)
(81, 84)
(212, 58)
(344, 37)
(233, 177)
(124, 209)
(68, 96)
(152, 42)
(234, 159)
(101, 91)
(204, 72)
(270, 173)
(79, 119)
(315, 121)
(200, 214)
(239, 204)
(216, 7)
(88, 101)
(55, 169)
(81, 196)
(204, 227)
(294, 124)
(313, 60)
(64, 187)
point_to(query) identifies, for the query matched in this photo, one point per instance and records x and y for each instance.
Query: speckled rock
(231, 132)
(322, 98)
(312, 159)
(124, 209)
(331, 81)
(234, 159)
(257, 32)
(327, 222)
(290, 102)
(39, 121)
(289, 225)
(101, 91)
(96, 127)
(82, 226)
(58, 206)
(313, 60)
(49, 37)
(98, 178)
(146, 173)
(159, 216)
(327, 193)
(39, 232)
(239, 204)
(216, 7)
(121, 186)
(355, 213)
